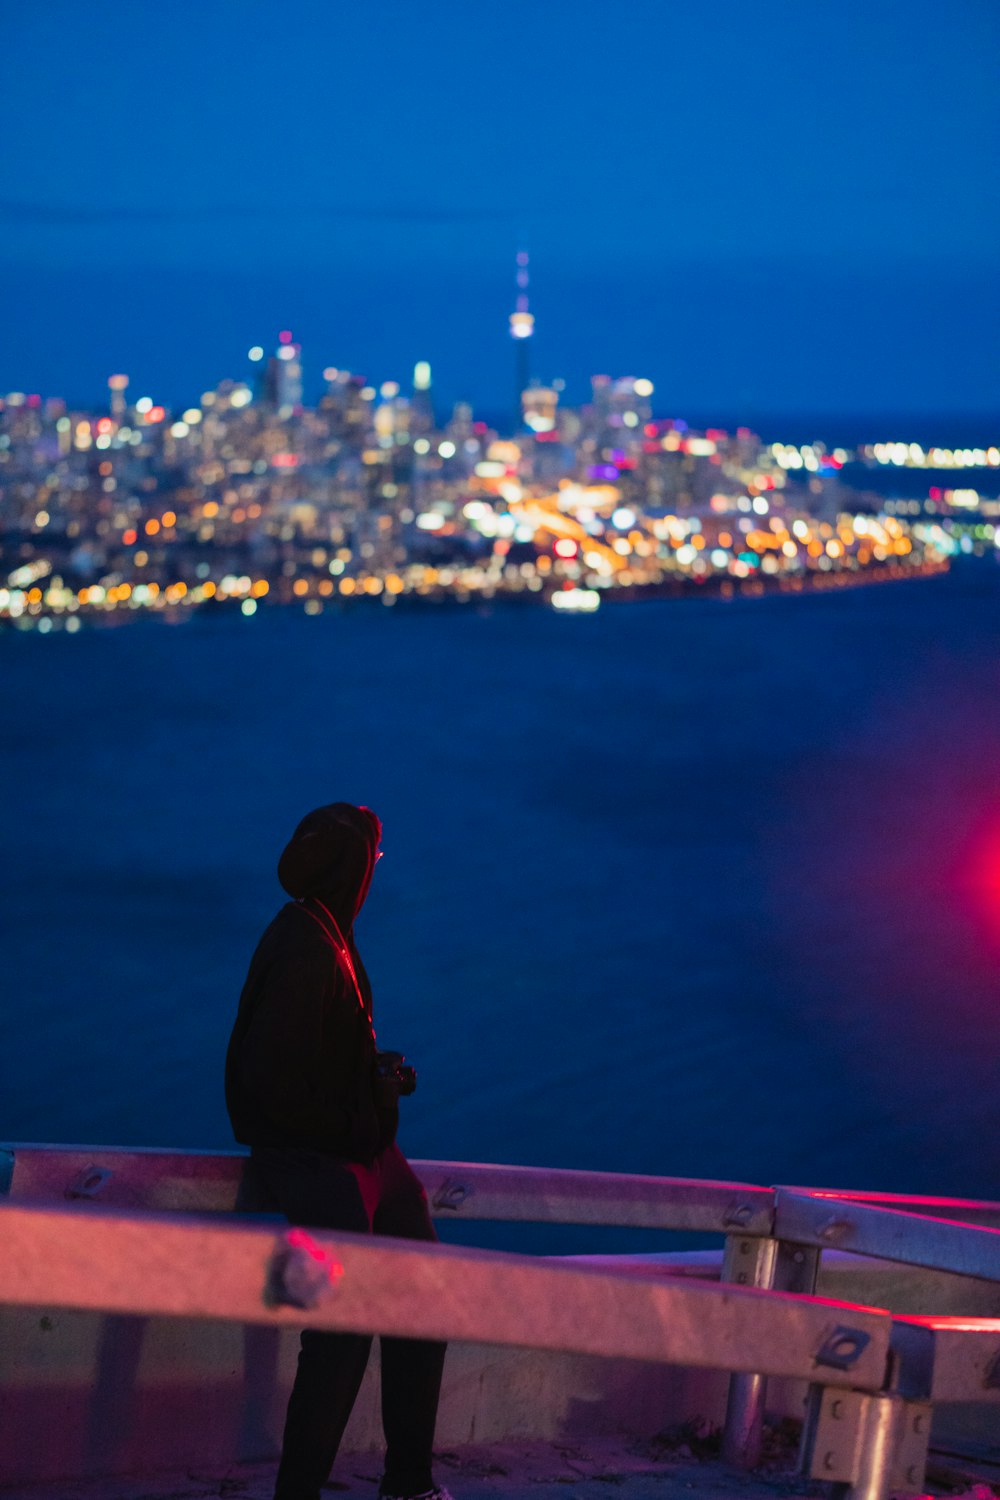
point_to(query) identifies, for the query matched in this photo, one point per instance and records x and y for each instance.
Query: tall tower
(522, 326)
(422, 401)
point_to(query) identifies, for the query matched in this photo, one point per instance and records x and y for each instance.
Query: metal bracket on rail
(873, 1443)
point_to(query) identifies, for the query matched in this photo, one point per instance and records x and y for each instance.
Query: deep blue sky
(768, 208)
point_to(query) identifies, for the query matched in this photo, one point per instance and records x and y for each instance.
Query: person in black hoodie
(303, 1091)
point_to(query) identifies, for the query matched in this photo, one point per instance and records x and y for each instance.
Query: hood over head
(331, 855)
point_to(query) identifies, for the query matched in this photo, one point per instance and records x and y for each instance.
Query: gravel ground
(668, 1470)
(681, 1465)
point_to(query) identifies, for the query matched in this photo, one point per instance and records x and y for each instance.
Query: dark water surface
(700, 888)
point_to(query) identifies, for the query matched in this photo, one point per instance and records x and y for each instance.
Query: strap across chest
(330, 928)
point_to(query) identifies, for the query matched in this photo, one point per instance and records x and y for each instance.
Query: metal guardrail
(160, 1265)
(873, 1376)
(178, 1182)
(947, 1359)
(962, 1210)
(888, 1234)
(168, 1181)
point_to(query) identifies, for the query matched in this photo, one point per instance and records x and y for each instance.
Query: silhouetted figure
(306, 1091)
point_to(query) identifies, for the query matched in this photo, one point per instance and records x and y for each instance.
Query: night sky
(771, 209)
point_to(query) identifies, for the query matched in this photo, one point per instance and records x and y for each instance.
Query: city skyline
(793, 405)
(768, 214)
(254, 495)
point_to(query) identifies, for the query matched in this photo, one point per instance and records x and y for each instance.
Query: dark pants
(316, 1190)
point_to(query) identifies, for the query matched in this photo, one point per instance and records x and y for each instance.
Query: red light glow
(979, 874)
(298, 1239)
(989, 877)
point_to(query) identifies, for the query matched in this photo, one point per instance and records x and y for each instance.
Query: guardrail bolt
(451, 1195)
(841, 1349)
(737, 1215)
(301, 1273)
(91, 1181)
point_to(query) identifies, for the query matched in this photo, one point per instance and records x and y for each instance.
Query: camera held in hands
(394, 1077)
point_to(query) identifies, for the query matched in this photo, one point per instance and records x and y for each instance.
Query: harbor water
(704, 888)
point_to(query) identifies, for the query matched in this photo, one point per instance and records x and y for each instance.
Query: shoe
(438, 1493)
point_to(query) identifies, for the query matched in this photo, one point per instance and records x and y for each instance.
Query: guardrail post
(879, 1441)
(747, 1262)
(769, 1263)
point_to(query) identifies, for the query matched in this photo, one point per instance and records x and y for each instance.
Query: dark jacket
(301, 1059)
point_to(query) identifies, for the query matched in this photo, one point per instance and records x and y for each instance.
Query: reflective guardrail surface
(140, 1232)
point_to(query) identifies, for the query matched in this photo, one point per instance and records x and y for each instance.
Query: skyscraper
(422, 401)
(118, 385)
(283, 378)
(522, 326)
